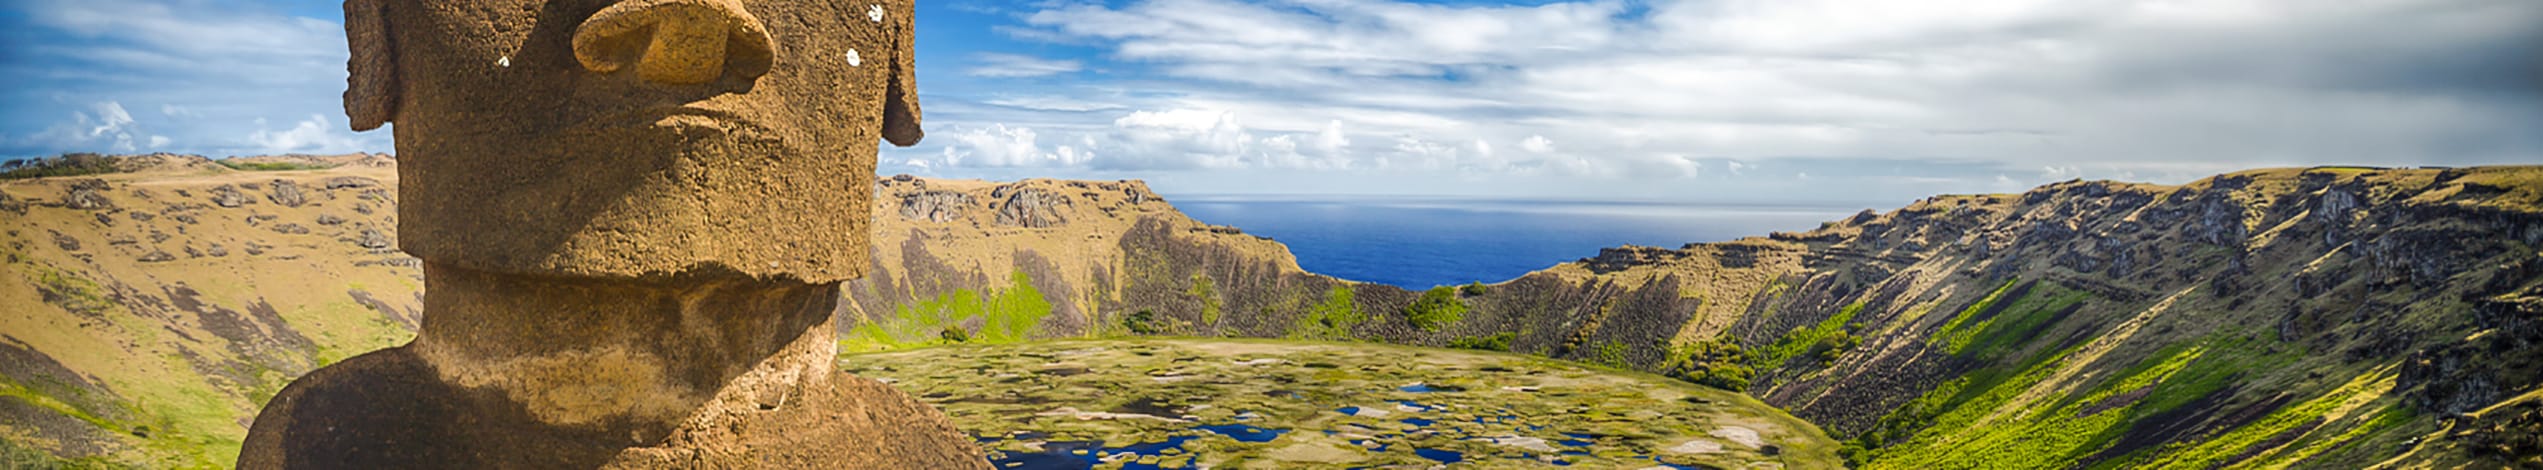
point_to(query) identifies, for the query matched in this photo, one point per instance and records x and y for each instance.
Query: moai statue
(634, 217)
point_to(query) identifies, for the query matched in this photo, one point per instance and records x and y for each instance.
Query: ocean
(1417, 243)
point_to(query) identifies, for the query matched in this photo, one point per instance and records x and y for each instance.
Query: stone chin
(652, 195)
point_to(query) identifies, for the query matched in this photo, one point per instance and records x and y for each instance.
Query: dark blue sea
(1417, 243)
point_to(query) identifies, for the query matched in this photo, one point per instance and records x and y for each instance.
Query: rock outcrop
(87, 194)
(934, 206)
(1030, 207)
(350, 182)
(372, 238)
(286, 193)
(229, 196)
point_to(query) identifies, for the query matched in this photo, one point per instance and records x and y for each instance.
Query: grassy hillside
(2333, 317)
(150, 311)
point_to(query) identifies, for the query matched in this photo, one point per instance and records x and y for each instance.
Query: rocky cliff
(2325, 317)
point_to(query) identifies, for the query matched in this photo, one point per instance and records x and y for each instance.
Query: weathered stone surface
(935, 206)
(372, 238)
(65, 242)
(486, 387)
(882, 428)
(631, 257)
(1138, 194)
(87, 194)
(598, 176)
(1031, 207)
(229, 196)
(350, 182)
(287, 194)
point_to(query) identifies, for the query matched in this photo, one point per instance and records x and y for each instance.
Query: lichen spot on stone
(853, 61)
(874, 13)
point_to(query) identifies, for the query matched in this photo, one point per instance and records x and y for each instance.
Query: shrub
(1436, 309)
(1612, 354)
(70, 164)
(1207, 290)
(1473, 289)
(1833, 346)
(1855, 453)
(1142, 322)
(1732, 377)
(271, 166)
(1497, 342)
(1713, 363)
(1334, 318)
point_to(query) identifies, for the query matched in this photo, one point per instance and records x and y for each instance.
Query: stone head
(636, 139)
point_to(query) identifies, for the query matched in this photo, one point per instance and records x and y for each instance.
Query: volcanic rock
(1031, 207)
(935, 206)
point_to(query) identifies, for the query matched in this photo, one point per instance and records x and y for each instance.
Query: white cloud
(1163, 139)
(1181, 138)
(2055, 173)
(111, 119)
(998, 65)
(1052, 103)
(1662, 166)
(113, 124)
(313, 135)
(1331, 141)
(1538, 144)
(103, 126)
(1002, 146)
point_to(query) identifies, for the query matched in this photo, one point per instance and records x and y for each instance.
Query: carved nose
(679, 42)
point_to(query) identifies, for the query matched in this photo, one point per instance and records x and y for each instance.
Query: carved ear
(900, 98)
(370, 92)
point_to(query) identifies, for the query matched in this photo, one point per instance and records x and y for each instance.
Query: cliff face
(2322, 317)
(2325, 316)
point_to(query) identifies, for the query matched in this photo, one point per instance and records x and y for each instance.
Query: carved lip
(655, 116)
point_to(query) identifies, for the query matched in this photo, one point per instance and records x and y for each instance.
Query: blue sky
(1700, 100)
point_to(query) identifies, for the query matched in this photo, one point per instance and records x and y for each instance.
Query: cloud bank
(1988, 94)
